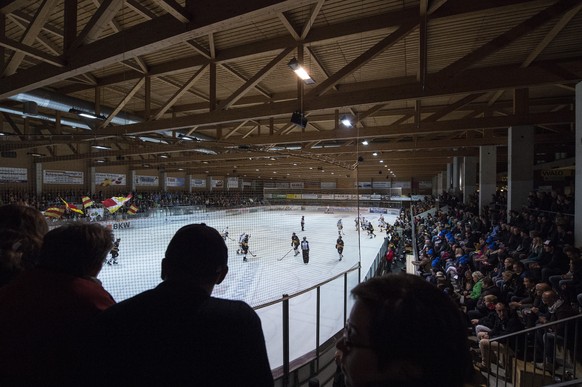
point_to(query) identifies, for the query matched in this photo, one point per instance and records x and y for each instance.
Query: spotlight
(346, 121)
(300, 71)
(299, 119)
(365, 142)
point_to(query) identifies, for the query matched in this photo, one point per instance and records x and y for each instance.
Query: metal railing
(539, 356)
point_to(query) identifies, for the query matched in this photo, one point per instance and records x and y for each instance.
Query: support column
(163, 176)
(435, 185)
(520, 144)
(487, 175)
(439, 183)
(469, 178)
(578, 171)
(456, 175)
(132, 178)
(449, 176)
(91, 179)
(444, 182)
(38, 183)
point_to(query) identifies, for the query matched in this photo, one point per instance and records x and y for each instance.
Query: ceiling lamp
(365, 142)
(101, 147)
(300, 71)
(346, 121)
(84, 114)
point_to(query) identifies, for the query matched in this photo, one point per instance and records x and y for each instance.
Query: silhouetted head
(196, 251)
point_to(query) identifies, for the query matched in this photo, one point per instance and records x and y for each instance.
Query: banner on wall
(107, 179)
(197, 183)
(216, 183)
(425, 184)
(282, 184)
(364, 184)
(62, 177)
(381, 184)
(147, 181)
(13, 175)
(328, 185)
(401, 184)
(175, 181)
(296, 185)
(232, 182)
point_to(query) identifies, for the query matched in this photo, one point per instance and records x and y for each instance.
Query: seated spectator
(507, 286)
(557, 309)
(558, 280)
(505, 323)
(472, 295)
(44, 310)
(557, 265)
(177, 334)
(374, 352)
(21, 231)
(486, 321)
(524, 294)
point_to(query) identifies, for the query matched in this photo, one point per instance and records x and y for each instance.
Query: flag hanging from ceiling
(132, 210)
(114, 203)
(87, 202)
(72, 207)
(54, 212)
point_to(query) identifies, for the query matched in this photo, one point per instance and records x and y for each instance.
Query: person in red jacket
(45, 310)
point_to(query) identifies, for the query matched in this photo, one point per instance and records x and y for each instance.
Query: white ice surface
(263, 278)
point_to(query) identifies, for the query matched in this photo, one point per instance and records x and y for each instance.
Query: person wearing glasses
(402, 331)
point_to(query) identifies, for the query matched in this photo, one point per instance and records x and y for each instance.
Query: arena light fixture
(91, 116)
(101, 147)
(346, 121)
(300, 71)
(365, 142)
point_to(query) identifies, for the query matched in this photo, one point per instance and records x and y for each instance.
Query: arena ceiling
(204, 87)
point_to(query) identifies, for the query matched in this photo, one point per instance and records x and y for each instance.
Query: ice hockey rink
(271, 271)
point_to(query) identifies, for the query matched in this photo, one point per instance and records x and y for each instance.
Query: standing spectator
(177, 334)
(305, 250)
(45, 310)
(373, 350)
(21, 231)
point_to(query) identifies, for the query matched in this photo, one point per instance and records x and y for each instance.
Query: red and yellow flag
(132, 210)
(87, 202)
(72, 207)
(54, 212)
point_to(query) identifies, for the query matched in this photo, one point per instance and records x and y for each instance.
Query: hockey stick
(254, 255)
(280, 259)
(231, 239)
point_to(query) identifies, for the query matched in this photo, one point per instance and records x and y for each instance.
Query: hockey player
(295, 243)
(357, 222)
(371, 230)
(244, 247)
(114, 252)
(241, 238)
(339, 245)
(224, 233)
(303, 223)
(340, 227)
(381, 223)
